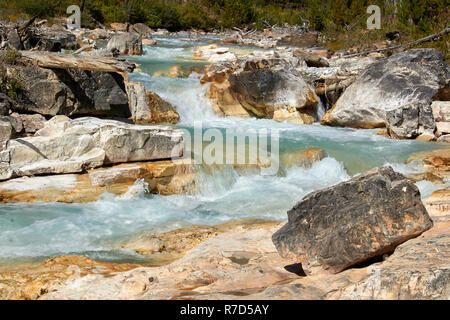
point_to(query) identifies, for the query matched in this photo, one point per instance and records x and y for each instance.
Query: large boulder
(128, 43)
(338, 227)
(70, 92)
(406, 79)
(49, 39)
(71, 146)
(262, 87)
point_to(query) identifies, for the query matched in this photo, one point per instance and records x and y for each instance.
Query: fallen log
(63, 61)
(335, 86)
(432, 37)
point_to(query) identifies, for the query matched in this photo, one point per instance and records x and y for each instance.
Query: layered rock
(335, 228)
(436, 163)
(127, 43)
(70, 146)
(161, 177)
(148, 107)
(408, 79)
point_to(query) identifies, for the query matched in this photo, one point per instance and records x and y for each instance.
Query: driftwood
(63, 61)
(432, 37)
(335, 86)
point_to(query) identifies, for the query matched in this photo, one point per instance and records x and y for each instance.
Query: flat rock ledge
(161, 177)
(74, 146)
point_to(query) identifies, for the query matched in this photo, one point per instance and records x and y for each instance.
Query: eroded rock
(335, 228)
(409, 78)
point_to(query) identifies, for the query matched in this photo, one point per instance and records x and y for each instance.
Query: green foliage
(10, 56)
(343, 21)
(12, 85)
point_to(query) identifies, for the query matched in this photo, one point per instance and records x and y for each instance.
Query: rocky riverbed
(100, 198)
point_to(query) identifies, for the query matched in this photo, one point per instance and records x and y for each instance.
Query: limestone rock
(303, 158)
(6, 131)
(128, 43)
(409, 78)
(441, 111)
(70, 146)
(117, 26)
(302, 40)
(335, 228)
(118, 180)
(263, 88)
(148, 107)
(436, 162)
(141, 28)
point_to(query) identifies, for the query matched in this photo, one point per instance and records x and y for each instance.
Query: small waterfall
(188, 95)
(320, 110)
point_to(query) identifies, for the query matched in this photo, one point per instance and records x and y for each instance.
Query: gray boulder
(127, 43)
(341, 226)
(405, 79)
(409, 122)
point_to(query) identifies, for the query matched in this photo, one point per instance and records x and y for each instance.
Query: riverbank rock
(30, 281)
(143, 30)
(159, 177)
(338, 227)
(214, 54)
(127, 43)
(301, 40)
(409, 122)
(68, 91)
(404, 80)
(236, 261)
(436, 163)
(39, 38)
(148, 107)
(312, 59)
(71, 146)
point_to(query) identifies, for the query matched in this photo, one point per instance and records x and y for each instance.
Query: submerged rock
(405, 79)
(335, 228)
